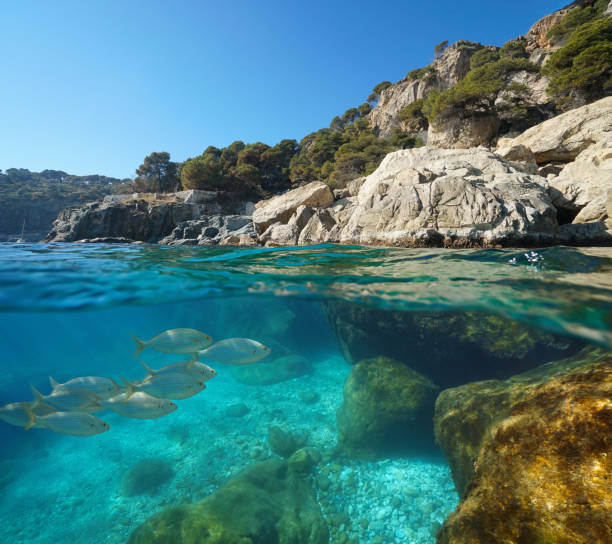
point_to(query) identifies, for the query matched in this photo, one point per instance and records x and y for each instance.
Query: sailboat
(21, 239)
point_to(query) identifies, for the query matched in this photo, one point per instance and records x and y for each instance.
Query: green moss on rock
(384, 403)
(264, 504)
(531, 455)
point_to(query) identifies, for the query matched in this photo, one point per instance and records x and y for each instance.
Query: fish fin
(129, 386)
(30, 413)
(192, 361)
(54, 384)
(38, 398)
(115, 384)
(147, 368)
(140, 345)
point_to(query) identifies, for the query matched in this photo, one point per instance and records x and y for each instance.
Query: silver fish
(175, 341)
(170, 386)
(236, 351)
(139, 405)
(192, 367)
(103, 388)
(73, 423)
(73, 400)
(15, 413)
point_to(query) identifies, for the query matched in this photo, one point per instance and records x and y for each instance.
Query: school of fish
(70, 406)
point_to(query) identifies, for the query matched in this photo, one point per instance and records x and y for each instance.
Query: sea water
(68, 310)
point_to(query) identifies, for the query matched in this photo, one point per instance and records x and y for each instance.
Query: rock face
(444, 72)
(145, 217)
(387, 406)
(214, 230)
(263, 504)
(280, 208)
(466, 197)
(531, 455)
(450, 348)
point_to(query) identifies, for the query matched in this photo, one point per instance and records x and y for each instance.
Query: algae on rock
(265, 503)
(387, 406)
(531, 455)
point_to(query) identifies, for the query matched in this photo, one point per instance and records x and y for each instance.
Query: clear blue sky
(94, 86)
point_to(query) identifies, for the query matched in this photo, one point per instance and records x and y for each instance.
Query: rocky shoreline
(550, 185)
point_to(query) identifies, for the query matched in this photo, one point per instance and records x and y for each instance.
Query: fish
(175, 386)
(73, 423)
(73, 400)
(103, 388)
(191, 367)
(15, 414)
(235, 351)
(139, 405)
(174, 341)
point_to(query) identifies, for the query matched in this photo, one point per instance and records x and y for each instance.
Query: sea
(456, 316)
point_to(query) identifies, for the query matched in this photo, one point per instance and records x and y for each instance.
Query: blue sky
(93, 87)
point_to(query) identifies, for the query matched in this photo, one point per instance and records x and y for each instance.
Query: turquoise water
(67, 310)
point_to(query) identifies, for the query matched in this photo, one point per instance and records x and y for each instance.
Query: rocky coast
(550, 185)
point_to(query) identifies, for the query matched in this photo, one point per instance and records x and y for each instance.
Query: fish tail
(192, 361)
(115, 384)
(54, 384)
(38, 398)
(128, 385)
(30, 413)
(147, 368)
(140, 345)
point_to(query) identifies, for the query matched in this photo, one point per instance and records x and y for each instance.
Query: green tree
(157, 173)
(582, 69)
(377, 90)
(439, 49)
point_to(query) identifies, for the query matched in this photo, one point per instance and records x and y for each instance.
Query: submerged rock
(239, 409)
(531, 455)
(386, 406)
(283, 443)
(270, 372)
(451, 348)
(146, 477)
(265, 503)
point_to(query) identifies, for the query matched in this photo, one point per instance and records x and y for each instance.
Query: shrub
(584, 64)
(412, 115)
(575, 18)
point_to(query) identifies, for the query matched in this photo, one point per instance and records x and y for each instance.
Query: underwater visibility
(166, 395)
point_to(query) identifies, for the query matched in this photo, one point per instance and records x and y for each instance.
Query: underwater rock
(386, 406)
(237, 410)
(531, 455)
(283, 443)
(303, 460)
(309, 397)
(265, 503)
(146, 477)
(275, 371)
(451, 348)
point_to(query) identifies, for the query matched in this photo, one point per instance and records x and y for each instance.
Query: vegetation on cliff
(581, 71)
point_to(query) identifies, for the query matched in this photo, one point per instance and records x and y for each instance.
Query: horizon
(79, 101)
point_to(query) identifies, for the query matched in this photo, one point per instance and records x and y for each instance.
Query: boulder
(264, 503)
(564, 137)
(279, 234)
(530, 456)
(283, 443)
(146, 477)
(386, 407)
(450, 197)
(451, 348)
(318, 229)
(213, 230)
(275, 371)
(582, 186)
(279, 209)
